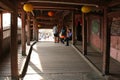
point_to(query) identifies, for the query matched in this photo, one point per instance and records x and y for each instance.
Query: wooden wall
(96, 36)
(6, 41)
(115, 39)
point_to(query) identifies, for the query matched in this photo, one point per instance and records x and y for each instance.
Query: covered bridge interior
(100, 23)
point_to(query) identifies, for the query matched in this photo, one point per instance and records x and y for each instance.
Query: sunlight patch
(35, 60)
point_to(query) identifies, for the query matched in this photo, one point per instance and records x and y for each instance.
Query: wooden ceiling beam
(67, 2)
(114, 14)
(53, 7)
(60, 7)
(44, 25)
(114, 3)
(45, 18)
(6, 5)
(47, 22)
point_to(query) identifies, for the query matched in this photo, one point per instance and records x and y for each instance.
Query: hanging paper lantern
(85, 9)
(28, 7)
(39, 25)
(50, 13)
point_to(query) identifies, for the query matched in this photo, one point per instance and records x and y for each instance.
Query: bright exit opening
(45, 35)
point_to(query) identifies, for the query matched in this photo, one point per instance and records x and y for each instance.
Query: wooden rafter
(7, 5)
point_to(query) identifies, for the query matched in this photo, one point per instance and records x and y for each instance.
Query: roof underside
(61, 8)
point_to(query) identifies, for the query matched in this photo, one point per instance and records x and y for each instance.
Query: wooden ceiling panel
(60, 8)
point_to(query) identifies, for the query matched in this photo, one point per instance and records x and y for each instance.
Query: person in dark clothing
(63, 34)
(79, 32)
(68, 37)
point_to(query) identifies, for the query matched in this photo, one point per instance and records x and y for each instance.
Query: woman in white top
(55, 33)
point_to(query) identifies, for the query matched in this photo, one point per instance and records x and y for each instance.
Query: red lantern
(50, 13)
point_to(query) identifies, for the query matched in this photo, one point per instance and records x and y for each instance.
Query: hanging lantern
(50, 13)
(39, 25)
(28, 7)
(86, 9)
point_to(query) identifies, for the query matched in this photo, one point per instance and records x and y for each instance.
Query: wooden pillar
(28, 29)
(106, 43)
(73, 27)
(88, 29)
(34, 33)
(1, 34)
(84, 35)
(23, 34)
(35, 30)
(14, 46)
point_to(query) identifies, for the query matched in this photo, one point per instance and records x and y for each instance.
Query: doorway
(45, 35)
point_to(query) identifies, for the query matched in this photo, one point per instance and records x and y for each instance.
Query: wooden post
(73, 27)
(34, 33)
(1, 34)
(88, 29)
(14, 46)
(23, 34)
(35, 30)
(106, 43)
(84, 35)
(28, 29)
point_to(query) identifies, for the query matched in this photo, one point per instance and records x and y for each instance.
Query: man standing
(55, 33)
